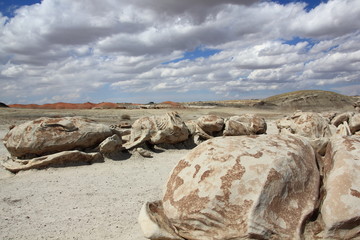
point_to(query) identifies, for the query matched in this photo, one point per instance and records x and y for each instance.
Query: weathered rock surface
(354, 123)
(341, 118)
(310, 125)
(110, 145)
(168, 128)
(307, 124)
(211, 124)
(196, 133)
(262, 187)
(247, 124)
(61, 158)
(357, 106)
(341, 206)
(343, 129)
(45, 136)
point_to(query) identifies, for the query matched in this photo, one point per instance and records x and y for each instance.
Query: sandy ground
(98, 201)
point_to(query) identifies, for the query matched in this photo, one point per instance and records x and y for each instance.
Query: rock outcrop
(310, 125)
(341, 118)
(61, 158)
(54, 141)
(354, 123)
(45, 136)
(357, 106)
(263, 187)
(211, 124)
(168, 128)
(247, 124)
(341, 207)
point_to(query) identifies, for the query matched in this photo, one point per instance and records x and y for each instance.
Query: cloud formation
(86, 50)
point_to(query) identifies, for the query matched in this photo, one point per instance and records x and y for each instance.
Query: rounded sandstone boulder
(45, 136)
(261, 186)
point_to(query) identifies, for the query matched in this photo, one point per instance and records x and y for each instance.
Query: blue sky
(310, 4)
(134, 51)
(7, 7)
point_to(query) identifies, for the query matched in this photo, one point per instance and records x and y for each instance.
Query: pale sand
(98, 201)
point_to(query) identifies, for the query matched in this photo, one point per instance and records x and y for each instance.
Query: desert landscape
(102, 200)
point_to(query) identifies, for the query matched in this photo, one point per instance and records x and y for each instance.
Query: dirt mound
(3, 105)
(311, 99)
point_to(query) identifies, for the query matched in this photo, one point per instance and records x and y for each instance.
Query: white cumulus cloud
(65, 50)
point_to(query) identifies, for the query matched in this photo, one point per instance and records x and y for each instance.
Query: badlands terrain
(103, 200)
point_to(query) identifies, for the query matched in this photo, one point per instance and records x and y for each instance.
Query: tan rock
(354, 123)
(15, 165)
(262, 187)
(341, 206)
(45, 136)
(310, 125)
(196, 133)
(143, 152)
(307, 124)
(110, 145)
(247, 124)
(343, 129)
(168, 128)
(211, 124)
(357, 106)
(341, 118)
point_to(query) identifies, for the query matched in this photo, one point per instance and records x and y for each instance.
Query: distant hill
(103, 105)
(310, 99)
(302, 100)
(61, 105)
(3, 105)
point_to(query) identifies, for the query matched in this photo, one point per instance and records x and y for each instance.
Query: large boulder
(110, 145)
(307, 124)
(354, 123)
(196, 133)
(168, 128)
(45, 136)
(310, 125)
(357, 106)
(247, 124)
(211, 124)
(341, 206)
(260, 187)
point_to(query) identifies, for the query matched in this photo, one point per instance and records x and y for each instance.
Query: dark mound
(307, 99)
(3, 105)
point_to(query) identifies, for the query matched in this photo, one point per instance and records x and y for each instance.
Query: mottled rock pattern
(262, 187)
(247, 124)
(45, 136)
(211, 124)
(196, 133)
(354, 123)
(310, 125)
(341, 206)
(168, 128)
(307, 124)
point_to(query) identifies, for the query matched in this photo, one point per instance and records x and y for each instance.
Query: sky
(190, 50)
